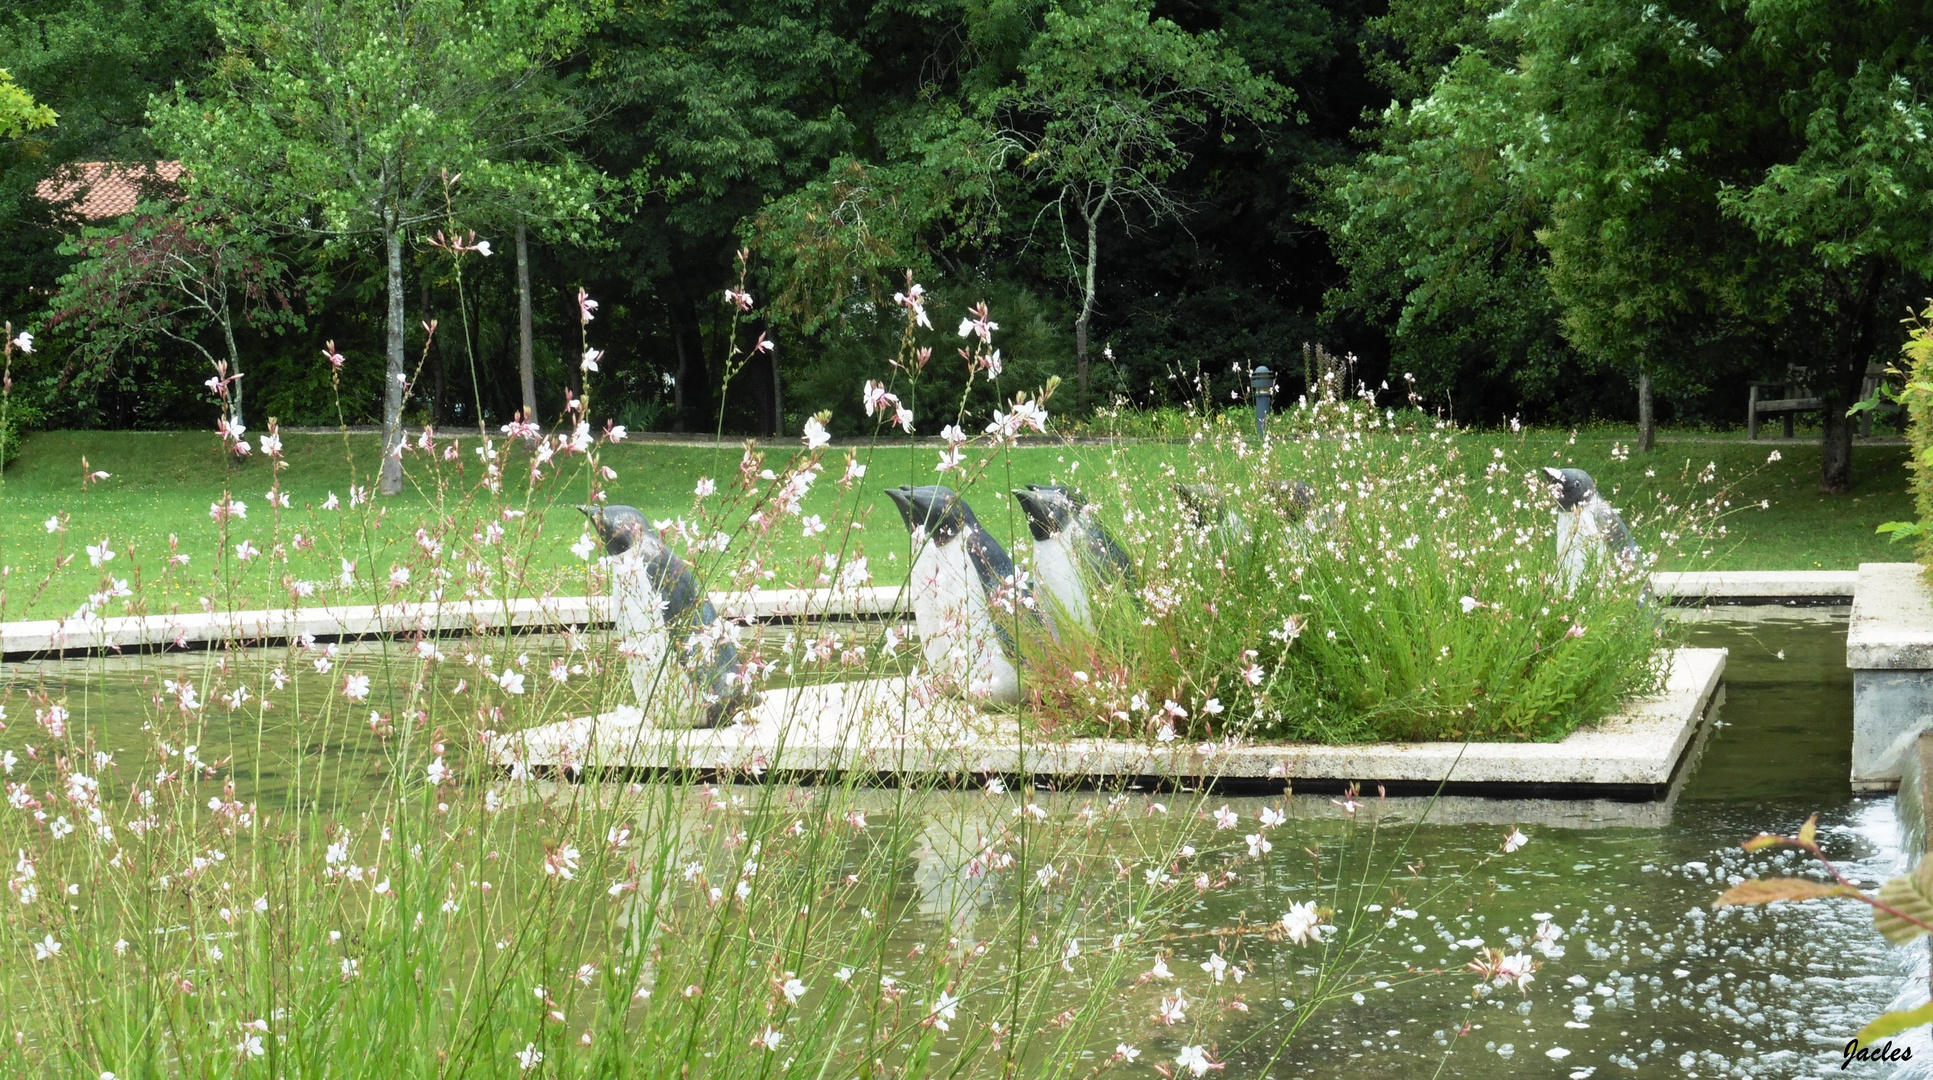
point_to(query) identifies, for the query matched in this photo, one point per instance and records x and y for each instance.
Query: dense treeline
(1529, 206)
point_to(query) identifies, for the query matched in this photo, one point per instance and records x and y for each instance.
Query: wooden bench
(1792, 395)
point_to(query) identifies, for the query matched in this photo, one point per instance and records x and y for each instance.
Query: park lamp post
(1262, 380)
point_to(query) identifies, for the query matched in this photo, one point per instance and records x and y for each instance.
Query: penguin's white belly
(1060, 575)
(957, 631)
(643, 640)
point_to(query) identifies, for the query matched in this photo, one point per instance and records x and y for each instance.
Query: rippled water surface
(1651, 981)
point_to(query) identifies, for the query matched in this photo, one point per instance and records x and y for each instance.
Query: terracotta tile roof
(103, 190)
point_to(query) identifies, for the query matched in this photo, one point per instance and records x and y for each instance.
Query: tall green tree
(19, 112)
(1106, 97)
(339, 119)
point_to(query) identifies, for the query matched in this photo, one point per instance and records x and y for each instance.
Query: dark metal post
(1262, 380)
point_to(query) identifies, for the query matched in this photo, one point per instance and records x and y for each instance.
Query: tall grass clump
(1361, 574)
(307, 859)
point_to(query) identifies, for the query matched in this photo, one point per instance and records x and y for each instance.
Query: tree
(19, 113)
(1106, 97)
(339, 118)
(180, 275)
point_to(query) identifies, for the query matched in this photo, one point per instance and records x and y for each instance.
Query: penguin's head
(937, 511)
(1292, 498)
(622, 529)
(1571, 487)
(1202, 503)
(1050, 508)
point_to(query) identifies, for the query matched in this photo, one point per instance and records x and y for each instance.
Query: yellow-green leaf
(1911, 896)
(1809, 830)
(1889, 1024)
(1766, 890)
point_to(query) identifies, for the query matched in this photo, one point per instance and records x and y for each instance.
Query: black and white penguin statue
(958, 568)
(1071, 549)
(655, 598)
(1590, 532)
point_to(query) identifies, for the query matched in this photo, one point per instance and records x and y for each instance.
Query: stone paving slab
(886, 728)
(1892, 619)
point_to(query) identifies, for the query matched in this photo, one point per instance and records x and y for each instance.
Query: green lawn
(161, 484)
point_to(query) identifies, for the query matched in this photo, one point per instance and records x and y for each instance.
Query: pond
(1650, 981)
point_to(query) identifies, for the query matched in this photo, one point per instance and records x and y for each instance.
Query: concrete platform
(891, 729)
(54, 637)
(1757, 586)
(1889, 647)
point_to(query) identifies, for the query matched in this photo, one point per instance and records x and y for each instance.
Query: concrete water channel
(1651, 981)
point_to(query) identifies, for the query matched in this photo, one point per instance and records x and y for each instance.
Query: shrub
(1416, 596)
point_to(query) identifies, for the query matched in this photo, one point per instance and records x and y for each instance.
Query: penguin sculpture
(1071, 549)
(958, 567)
(1590, 532)
(656, 598)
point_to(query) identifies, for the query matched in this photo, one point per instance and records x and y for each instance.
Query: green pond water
(1651, 981)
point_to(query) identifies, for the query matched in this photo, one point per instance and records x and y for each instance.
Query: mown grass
(161, 485)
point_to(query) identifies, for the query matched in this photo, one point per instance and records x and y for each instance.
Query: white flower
(793, 990)
(331, 502)
(1216, 966)
(1303, 923)
(271, 445)
(1195, 1060)
(511, 681)
(356, 687)
(1470, 603)
(1772, 457)
(399, 575)
(530, 1057)
(1160, 969)
(1174, 1010)
(815, 434)
(584, 546)
(46, 948)
(1126, 1053)
(768, 1039)
(53, 524)
(1212, 707)
(591, 357)
(944, 1009)
(1272, 817)
(437, 772)
(98, 553)
(1258, 845)
(24, 342)
(562, 862)
(246, 551)
(1226, 818)
(250, 1046)
(1515, 840)
(706, 488)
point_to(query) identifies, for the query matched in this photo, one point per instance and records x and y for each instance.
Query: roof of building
(103, 190)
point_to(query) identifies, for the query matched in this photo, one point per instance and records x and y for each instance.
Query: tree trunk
(391, 481)
(1647, 419)
(1835, 455)
(1087, 308)
(526, 369)
(694, 394)
(234, 370)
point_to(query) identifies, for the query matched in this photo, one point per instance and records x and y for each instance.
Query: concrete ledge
(895, 728)
(1892, 619)
(1757, 586)
(45, 637)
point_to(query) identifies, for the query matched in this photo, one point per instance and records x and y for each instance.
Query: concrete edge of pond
(39, 638)
(885, 730)
(1889, 647)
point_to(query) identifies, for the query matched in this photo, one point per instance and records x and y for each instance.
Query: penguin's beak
(596, 515)
(1554, 476)
(1039, 521)
(901, 497)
